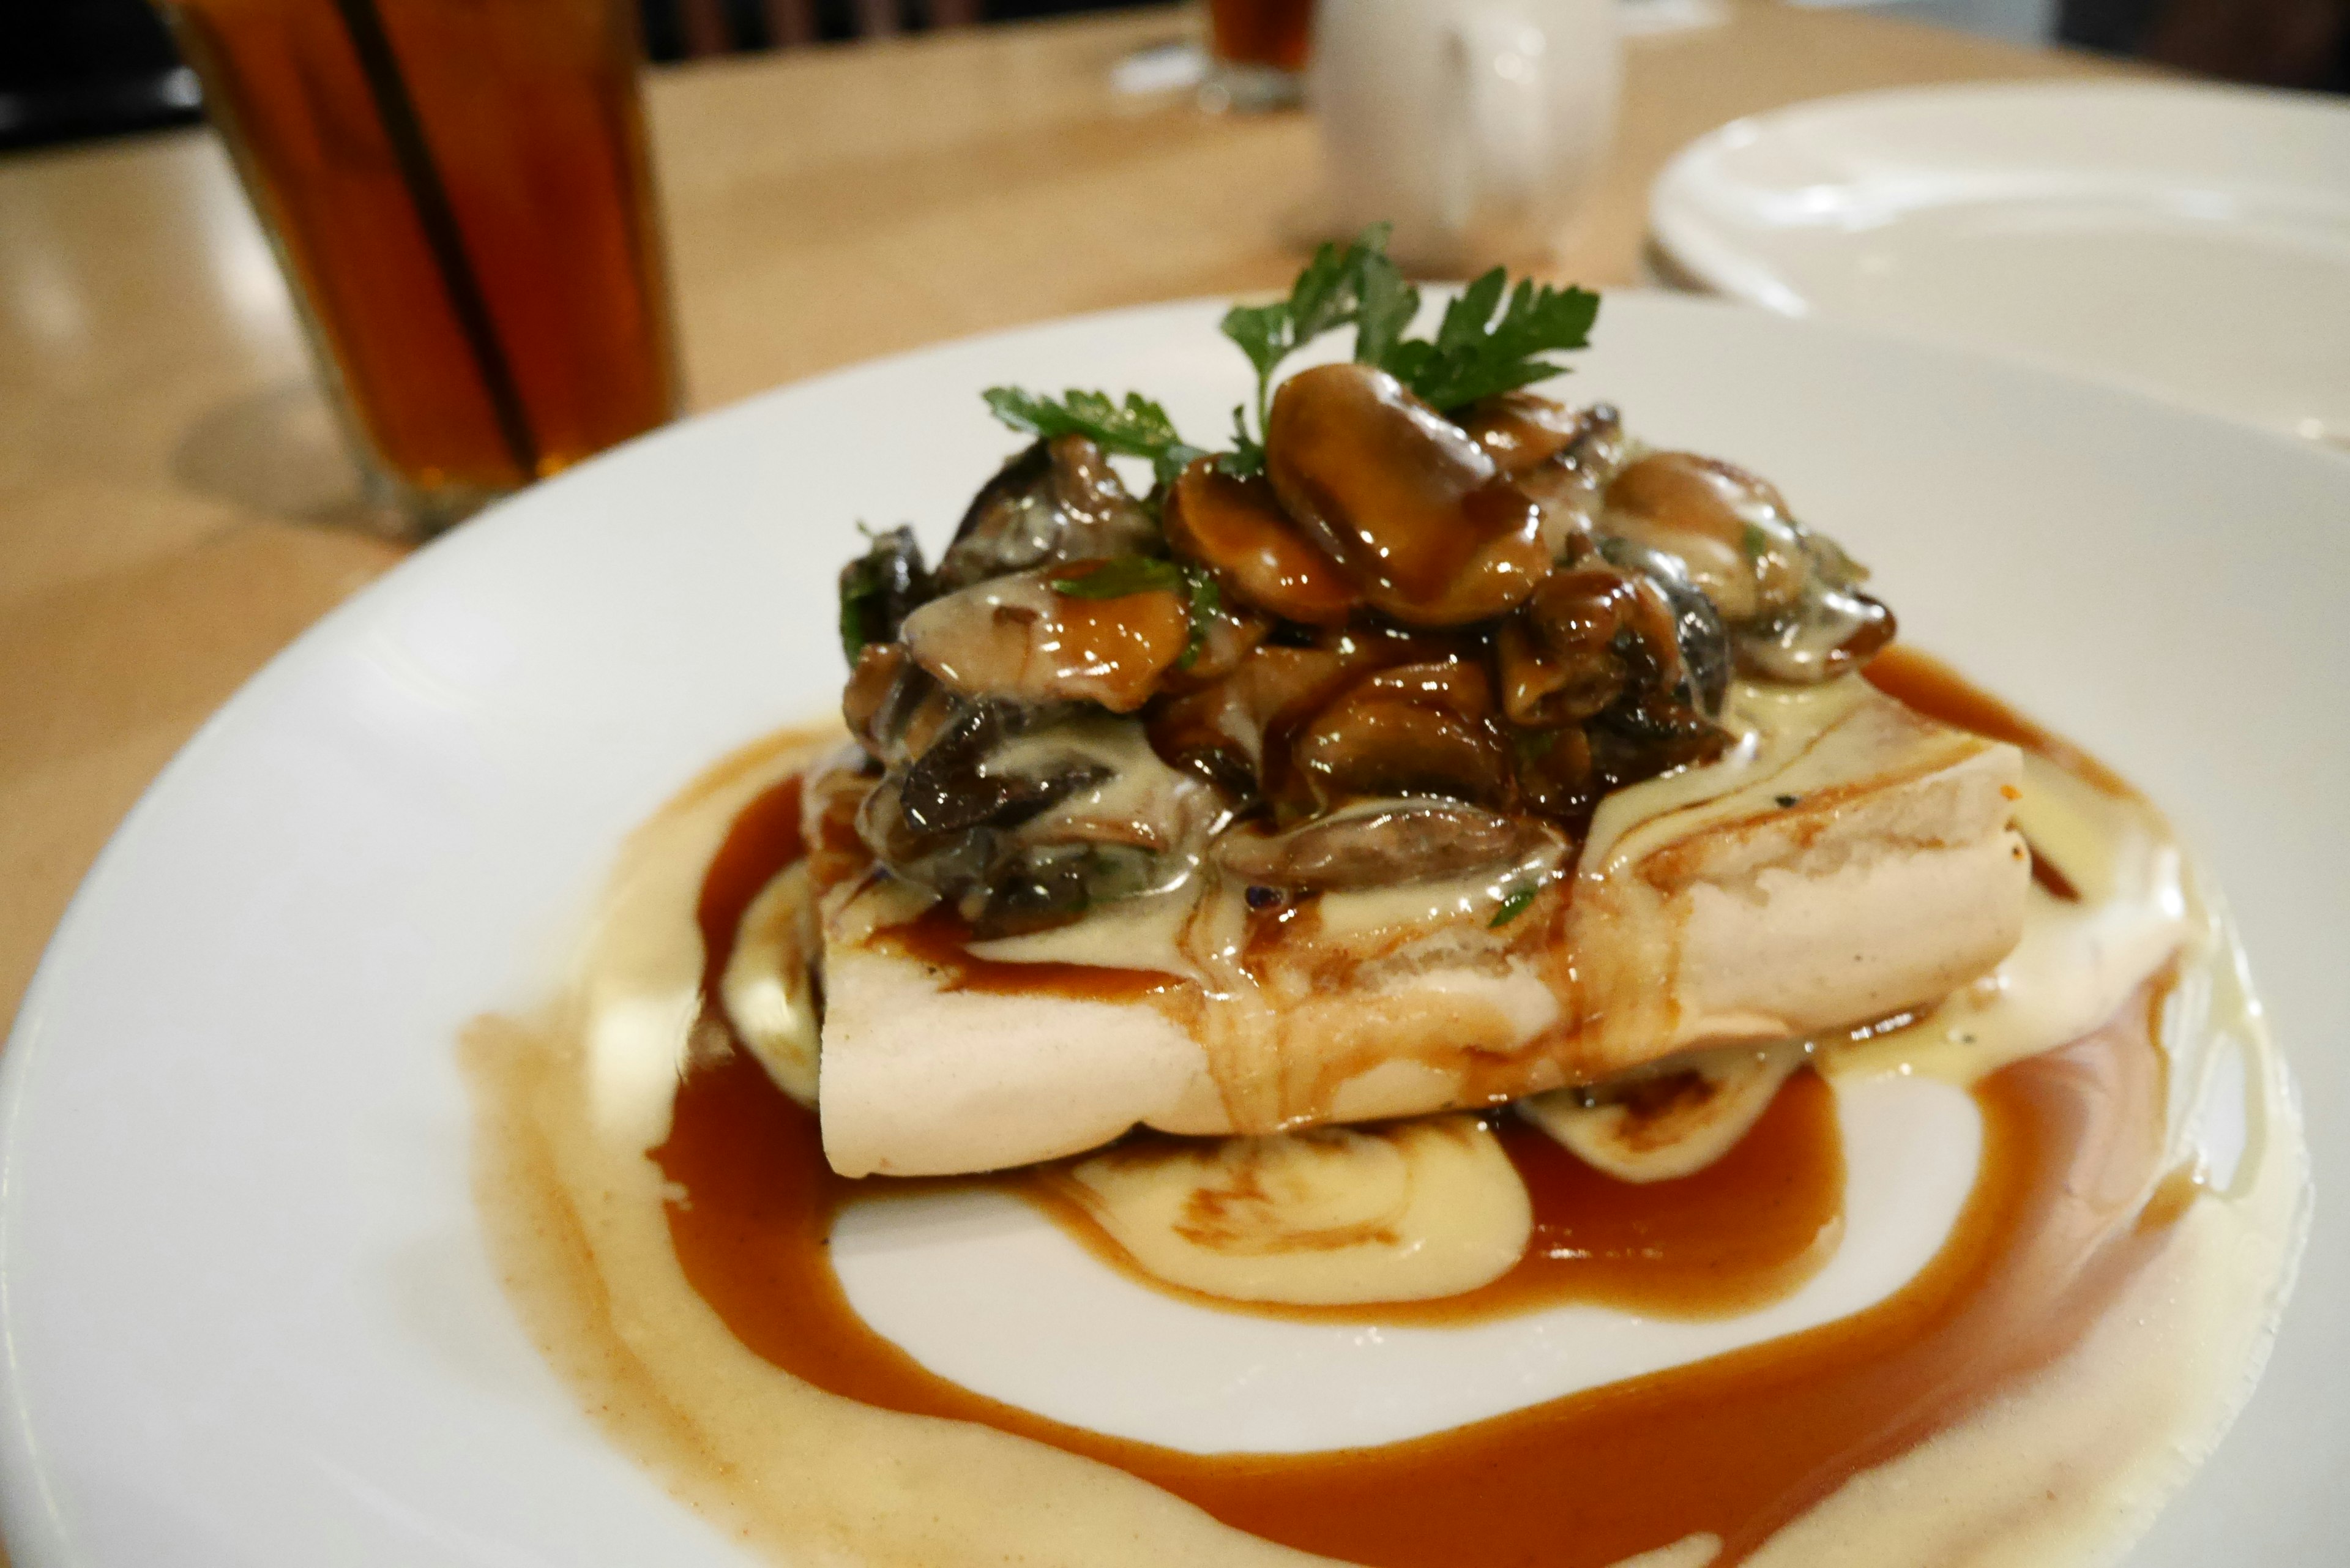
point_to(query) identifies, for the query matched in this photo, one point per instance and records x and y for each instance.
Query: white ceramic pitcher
(1476, 127)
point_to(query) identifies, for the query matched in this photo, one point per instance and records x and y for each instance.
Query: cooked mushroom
(892, 705)
(1378, 843)
(1573, 648)
(879, 589)
(1789, 596)
(1728, 529)
(1221, 731)
(1019, 637)
(1414, 510)
(1058, 501)
(1831, 630)
(1024, 815)
(1236, 528)
(1414, 730)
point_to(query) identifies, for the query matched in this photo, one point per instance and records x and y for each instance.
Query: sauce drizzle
(1736, 1445)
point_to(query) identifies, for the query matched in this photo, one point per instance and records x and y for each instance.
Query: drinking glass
(458, 193)
(1256, 52)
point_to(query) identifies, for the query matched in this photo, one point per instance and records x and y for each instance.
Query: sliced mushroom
(1829, 632)
(1220, 732)
(892, 705)
(950, 788)
(1728, 529)
(1378, 843)
(1024, 816)
(1561, 458)
(1416, 730)
(1019, 639)
(1236, 528)
(1568, 652)
(1058, 501)
(1522, 430)
(879, 589)
(1414, 510)
(1221, 637)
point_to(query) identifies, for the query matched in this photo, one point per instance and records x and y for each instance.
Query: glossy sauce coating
(1736, 1445)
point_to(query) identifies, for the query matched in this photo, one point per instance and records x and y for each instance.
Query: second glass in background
(459, 196)
(1257, 51)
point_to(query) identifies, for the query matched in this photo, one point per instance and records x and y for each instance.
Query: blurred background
(76, 68)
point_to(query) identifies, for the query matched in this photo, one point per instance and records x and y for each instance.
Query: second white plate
(2193, 241)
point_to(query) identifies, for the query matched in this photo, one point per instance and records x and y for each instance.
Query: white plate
(2193, 241)
(247, 1319)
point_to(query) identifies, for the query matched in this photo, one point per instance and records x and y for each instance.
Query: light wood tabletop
(174, 506)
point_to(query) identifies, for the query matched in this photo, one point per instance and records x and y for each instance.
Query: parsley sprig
(1492, 339)
(1135, 428)
(1329, 293)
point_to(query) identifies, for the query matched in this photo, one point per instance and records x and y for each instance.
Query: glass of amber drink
(458, 192)
(1256, 52)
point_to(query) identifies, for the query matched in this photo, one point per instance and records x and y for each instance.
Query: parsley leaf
(1326, 295)
(1384, 306)
(1514, 905)
(1477, 353)
(1121, 575)
(1136, 428)
(1247, 457)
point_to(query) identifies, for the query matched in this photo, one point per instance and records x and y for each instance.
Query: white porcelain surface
(1228, 1382)
(2192, 240)
(246, 1316)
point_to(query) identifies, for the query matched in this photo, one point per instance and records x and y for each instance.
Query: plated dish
(2192, 239)
(1438, 861)
(414, 806)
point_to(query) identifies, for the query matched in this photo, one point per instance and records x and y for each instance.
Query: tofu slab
(1847, 860)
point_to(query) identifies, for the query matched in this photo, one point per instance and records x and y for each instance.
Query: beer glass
(457, 191)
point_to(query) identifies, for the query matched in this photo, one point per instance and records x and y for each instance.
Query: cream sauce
(2120, 1384)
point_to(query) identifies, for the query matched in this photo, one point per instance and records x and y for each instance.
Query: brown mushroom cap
(1221, 730)
(1236, 528)
(1521, 431)
(1017, 639)
(1729, 528)
(1411, 507)
(1558, 655)
(1412, 730)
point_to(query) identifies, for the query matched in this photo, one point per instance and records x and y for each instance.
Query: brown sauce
(764, 839)
(1742, 1232)
(1935, 690)
(1737, 1446)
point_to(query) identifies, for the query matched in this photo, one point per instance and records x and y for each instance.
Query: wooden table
(174, 508)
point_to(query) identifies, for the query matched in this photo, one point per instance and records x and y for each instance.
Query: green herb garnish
(1247, 460)
(1135, 428)
(1514, 905)
(1121, 575)
(1487, 343)
(1329, 293)
(1492, 339)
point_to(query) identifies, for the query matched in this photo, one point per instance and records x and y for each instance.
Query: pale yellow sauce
(569, 1104)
